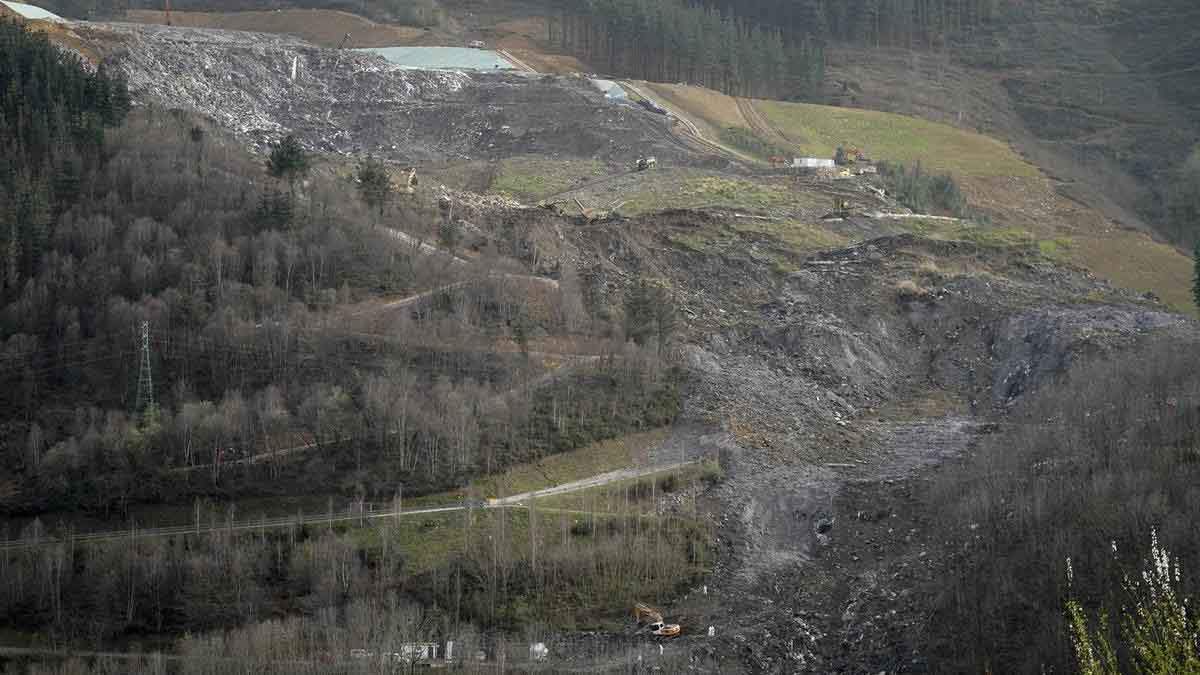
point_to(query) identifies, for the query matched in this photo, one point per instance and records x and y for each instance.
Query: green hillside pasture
(820, 129)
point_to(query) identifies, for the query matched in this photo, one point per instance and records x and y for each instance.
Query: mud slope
(828, 393)
(351, 103)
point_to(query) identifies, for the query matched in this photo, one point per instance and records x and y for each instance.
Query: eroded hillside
(830, 394)
(345, 102)
(827, 366)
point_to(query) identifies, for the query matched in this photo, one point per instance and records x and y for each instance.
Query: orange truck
(653, 621)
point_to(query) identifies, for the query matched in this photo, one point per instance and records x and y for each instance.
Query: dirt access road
(360, 515)
(586, 483)
(761, 126)
(691, 135)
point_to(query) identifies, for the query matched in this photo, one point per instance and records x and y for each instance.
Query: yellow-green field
(532, 178)
(820, 129)
(682, 190)
(1133, 260)
(635, 495)
(618, 453)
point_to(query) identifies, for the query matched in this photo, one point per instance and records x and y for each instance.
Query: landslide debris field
(832, 364)
(348, 102)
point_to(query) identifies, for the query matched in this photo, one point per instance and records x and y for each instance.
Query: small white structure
(538, 651)
(418, 651)
(812, 163)
(413, 651)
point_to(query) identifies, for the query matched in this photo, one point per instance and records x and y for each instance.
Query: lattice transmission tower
(145, 390)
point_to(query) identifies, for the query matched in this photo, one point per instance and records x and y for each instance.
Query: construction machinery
(841, 208)
(652, 106)
(645, 163)
(596, 215)
(652, 619)
(851, 154)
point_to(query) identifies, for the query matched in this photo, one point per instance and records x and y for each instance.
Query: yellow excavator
(652, 619)
(842, 208)
(599, 214)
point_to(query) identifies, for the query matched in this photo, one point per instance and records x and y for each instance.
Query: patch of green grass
(778, 243)
(698, 241)
(633, 495)
(427, 541)
(745, 140)
(968, 231)
(736, 192)
(1134, 260)
(1055, 249)
(710, 191)
(819, 130)
(595, 459)
(533, 178)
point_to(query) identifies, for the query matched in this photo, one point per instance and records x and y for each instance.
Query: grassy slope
(821, 129)
(598, 458)
(710, 110)
(531, 178)
(993, 177)
(683, 189)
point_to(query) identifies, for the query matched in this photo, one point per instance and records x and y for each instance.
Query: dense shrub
(921, 191)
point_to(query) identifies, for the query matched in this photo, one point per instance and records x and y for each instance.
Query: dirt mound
(322, 27)
(264, 86)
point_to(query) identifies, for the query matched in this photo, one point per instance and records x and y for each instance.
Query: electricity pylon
(145, 390)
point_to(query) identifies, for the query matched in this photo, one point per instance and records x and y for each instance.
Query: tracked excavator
(842, 208)
(652, 619)
(600, 214)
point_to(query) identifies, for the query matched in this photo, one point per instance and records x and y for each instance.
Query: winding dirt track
(760, 125)
(692, 136)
